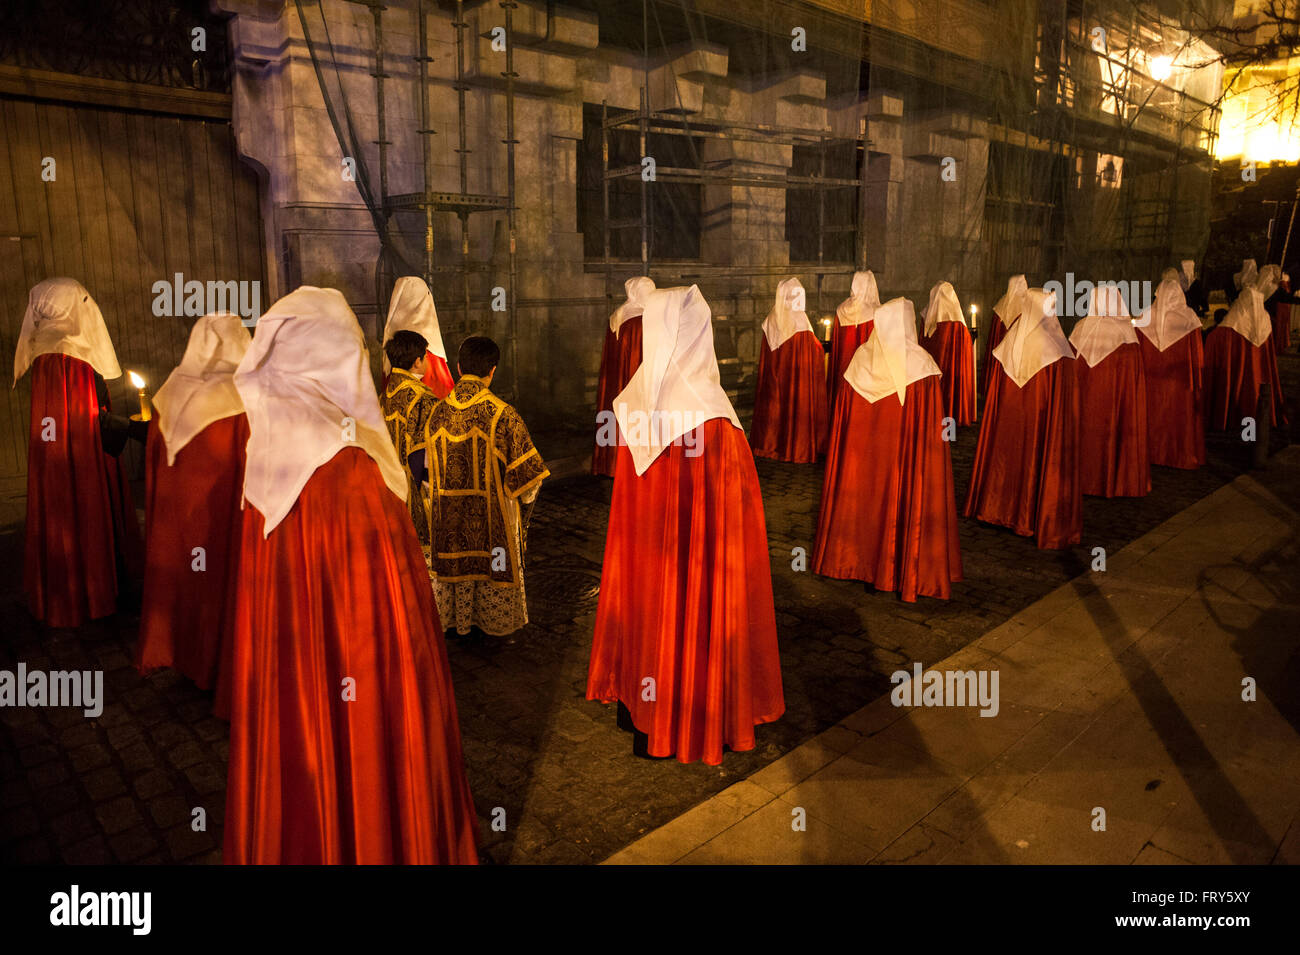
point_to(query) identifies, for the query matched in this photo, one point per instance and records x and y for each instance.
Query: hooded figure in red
(194, 475)
(1113, 456)
(1005, 313)
(1239, 358)
(1172, 360)
(344, 742)
(948, 341)
(853, 322)
(889, 512)
(686, 626)
(619, 359)
(411, 309)
(83, 549)
(790, 404)
(1026, 473)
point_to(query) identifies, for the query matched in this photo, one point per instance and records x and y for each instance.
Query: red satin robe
(686, 600)
(845, 340)
(996, 334)
(1026, 472)
(951, 348)
(1234, 371)
(1113, 457)
(83, 544)
(1175, 402)
(340, 590)
(619, 359)
(790, 416)
(1281, 316)
(188, 613)
(889, 512)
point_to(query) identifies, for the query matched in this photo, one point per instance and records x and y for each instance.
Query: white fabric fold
(943, 307)
(788, 316)
(638, 290)
(1035, 341)
(1188, 274)
(201, 389)
(306, 387)
(1011, 304)
(1107, 327)
(1246, 277)
(677, 387)
(863, 300)
(891, 359)
(1169, 318)
(411, 309)
(62, 318)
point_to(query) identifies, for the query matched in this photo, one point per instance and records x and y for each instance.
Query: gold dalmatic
(407, 404)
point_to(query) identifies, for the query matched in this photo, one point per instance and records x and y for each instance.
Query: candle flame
(136, 380)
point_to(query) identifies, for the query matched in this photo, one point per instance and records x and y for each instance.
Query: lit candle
(146, 409)
(826, 324)
(973, 312)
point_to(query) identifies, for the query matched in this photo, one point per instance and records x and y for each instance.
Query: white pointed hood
(788, 317)
(306, 387)
(202, 388)
(1168, 319)
(411, 309)
(1035, 341)
(863, 300)
(62, 318)
(1011, 304)
(943, 307)
(891, 359)
(1247, 275)
(1188, 274)
(638, 290)
(677, 387)
(1107, 327)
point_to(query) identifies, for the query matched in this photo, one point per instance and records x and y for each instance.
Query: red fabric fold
(340, 591)
(437, 375)
(996, 334)
(1175, 402)
(1026, 472)
(790, 417)
(686, 600)
(1113, 457)
(888, 509)
(83, 545)
(187, 614)
(619, 359)
(845, 340)
(951, 348)
(1234, 371)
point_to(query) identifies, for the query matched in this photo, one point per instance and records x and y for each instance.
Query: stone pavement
(1121, 690)
(120, 788)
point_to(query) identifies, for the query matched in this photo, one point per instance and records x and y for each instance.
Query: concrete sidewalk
(1120, 691)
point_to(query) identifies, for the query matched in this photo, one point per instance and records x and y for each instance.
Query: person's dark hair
(478, 356)
(405, 348)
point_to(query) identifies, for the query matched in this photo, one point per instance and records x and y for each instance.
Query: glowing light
(136, 380)
(1161, 67)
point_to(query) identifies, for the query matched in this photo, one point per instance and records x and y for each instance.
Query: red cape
(951, 348)
(686, 599)
(1113, 456)
(1281, 316)
(889, 512)
(187, 614)
(1234, 371)
(1026, 472)
(1175, 402)
(619, 359)
(83, 543)
(790, 414)
(845, 340)
(996, 334)
(340, 590)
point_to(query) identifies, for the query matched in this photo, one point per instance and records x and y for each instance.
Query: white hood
(202, 388)
(62, 318)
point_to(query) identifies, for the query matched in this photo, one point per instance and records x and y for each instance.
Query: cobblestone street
(122, 787)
